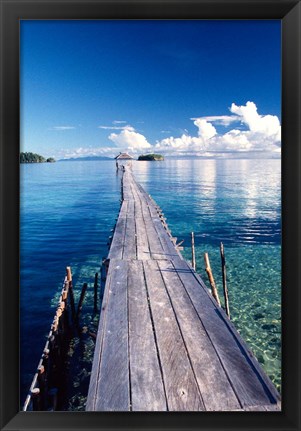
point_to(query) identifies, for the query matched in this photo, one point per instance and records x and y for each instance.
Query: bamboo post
(81, 300)
(224, 274)
(71, 294)
(69, 274)
(193, 252)
(95, 292)
(211, 279)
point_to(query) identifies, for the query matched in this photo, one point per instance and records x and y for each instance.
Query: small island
(34, 158)
(151, 157)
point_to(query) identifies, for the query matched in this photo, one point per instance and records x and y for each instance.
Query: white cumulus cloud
(129, 139)
(262, 133)
(268, 125)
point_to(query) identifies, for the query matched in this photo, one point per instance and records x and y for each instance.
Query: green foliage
(50, 160)
(155, 157)
(31, 158)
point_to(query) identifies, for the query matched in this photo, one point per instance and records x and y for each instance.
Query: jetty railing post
(211, 279)
(193, 252)
(224, 274)
(81, 300)
(69, 280)
(95, 292)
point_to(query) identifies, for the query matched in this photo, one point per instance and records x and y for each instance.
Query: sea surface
(69, 208)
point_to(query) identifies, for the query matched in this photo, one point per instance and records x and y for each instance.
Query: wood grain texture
(207, 367)
(146, 379)
(113, 392)
(117, 245)
(129, 248)
(93, 387)
(181, 388)
(143, 250)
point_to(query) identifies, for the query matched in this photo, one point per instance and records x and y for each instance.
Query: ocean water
(69, 208)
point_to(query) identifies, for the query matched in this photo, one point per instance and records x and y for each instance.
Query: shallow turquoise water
(68, 209)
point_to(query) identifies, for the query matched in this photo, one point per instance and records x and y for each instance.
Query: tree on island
(34, 158)
(155, 157)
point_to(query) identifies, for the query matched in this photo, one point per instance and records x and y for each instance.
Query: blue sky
(177, 87)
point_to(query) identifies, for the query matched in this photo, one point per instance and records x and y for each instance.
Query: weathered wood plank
(130, 249)
(143, 250)
(113, 391)
(156, 249)
(180, 385)
(249, 386)
(204, 359)
(168, 246)
(146, 379)
(116, 249)
(123, 209)
(131, 208)
(93, 386)
(126, 189)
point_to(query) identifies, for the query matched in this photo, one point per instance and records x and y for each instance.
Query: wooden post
(224, 273)
(95, 292)
(211, 279)
(70, 291)
(192, 252)
(69, 274)
(81, 299)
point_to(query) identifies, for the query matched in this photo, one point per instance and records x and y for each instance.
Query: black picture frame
(289, 11)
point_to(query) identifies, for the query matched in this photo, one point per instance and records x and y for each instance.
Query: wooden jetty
(163, 343)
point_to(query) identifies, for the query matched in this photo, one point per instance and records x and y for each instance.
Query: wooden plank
(126, 191)
(93, 386)
(113, 391)
(205, 361)
(130, 249)
(123, 209)
(137, 201)
(155, 245)
(149, 201)
(116, 249)
(247, 382)
(143, 250)
(146, 379)
(165, 239)
(131, 208)
(180, 385)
